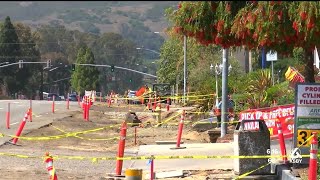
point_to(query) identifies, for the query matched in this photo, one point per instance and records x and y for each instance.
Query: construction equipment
(160, 91)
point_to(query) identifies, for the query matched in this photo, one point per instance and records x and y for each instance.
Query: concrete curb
(286, 175)
(284, 172)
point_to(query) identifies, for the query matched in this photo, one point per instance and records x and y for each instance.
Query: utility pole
(41, 85)
(184, 68)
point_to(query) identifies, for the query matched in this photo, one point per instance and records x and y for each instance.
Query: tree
(277, 26)
(60, 45)
(9, 50)
(201, 79)
(85, 77)
(142, 36)
(113, 49)
(27, 78)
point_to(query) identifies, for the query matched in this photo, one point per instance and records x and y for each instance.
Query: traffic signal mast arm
(95, 65)
(22, 63)
(118, 67)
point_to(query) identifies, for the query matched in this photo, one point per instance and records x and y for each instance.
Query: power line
(22, 57)
(48, 42)
(64, 42)
(62, 79)
(120, 54)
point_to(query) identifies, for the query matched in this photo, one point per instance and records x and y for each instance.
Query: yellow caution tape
(95, 139)
(169, 119)
(95, 159)
(246, 174)
(70, 134)
(75, 134)
(163, 97)
(198, 112)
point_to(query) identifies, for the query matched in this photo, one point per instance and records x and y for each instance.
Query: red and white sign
(270, 115)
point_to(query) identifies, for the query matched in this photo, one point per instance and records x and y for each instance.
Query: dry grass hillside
(106, 16)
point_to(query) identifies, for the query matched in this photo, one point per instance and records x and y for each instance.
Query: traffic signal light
(130, 80)
(20, 64)
(48, 63)
(73, 67)
(112, 68)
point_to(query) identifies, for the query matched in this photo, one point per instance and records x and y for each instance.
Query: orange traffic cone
(49, 165)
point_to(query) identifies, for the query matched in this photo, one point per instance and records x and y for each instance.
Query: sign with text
(272, 56)
(308, 110)
(284, 114)
(307, 119)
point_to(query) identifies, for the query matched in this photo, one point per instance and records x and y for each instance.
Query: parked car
(62, 98)
(56, 97)
(73, 97)
(133, 98)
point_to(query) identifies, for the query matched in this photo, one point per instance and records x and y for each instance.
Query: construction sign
(91, 94)
(293, 76)
(307, 115)
(284, 113)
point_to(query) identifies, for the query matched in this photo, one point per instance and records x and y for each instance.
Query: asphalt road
(41, 110)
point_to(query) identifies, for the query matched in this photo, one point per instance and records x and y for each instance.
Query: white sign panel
(307, 116)
(272, 56)
(308, 95)
(308, 106)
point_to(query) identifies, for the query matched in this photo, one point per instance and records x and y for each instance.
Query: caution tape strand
(159, 157)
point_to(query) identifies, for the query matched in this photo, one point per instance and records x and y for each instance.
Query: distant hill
(136, 20)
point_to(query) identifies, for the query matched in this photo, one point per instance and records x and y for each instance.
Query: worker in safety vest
(219, 107)
(217, 112)
(231, 105)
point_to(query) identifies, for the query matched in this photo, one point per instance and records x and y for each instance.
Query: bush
(282, 93)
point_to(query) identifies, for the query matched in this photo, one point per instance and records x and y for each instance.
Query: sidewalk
(185, 164)
(217, 149)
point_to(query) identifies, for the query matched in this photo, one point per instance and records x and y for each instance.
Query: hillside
(136, 20)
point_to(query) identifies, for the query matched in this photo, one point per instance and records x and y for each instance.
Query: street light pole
(217, 90)
(217, 71)
(184, 68)
(224, 110)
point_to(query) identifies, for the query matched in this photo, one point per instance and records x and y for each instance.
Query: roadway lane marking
(57, 109)
(15, 102)
(1, 108)
(14, 123)
(20, 105)
(38, 116)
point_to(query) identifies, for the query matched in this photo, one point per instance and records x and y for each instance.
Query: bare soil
(301, 171)
(100, 141)
(25, 159)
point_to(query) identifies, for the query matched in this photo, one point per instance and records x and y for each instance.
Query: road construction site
(88, 149)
